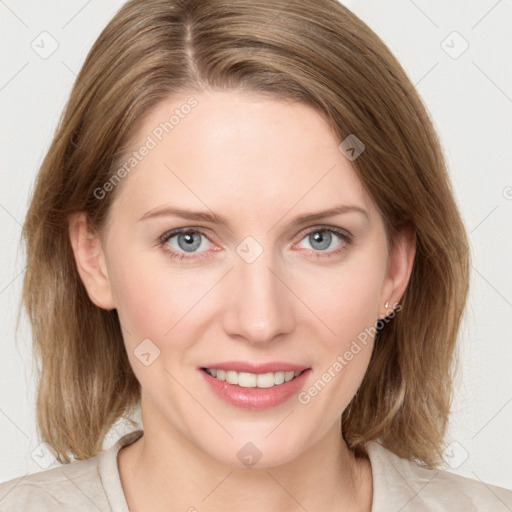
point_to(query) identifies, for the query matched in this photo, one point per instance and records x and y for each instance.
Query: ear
(90, 261)
(399, 270)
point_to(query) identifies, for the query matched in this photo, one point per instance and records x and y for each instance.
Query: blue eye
(187, 240)
(184, 243)
(322, 239)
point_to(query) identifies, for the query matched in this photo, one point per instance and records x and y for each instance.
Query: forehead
(238, 152)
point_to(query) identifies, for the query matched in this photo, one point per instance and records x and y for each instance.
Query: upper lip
(248, 367)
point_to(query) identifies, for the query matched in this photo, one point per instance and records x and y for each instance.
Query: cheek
(350, 312)
(357, 305)
(157, 301)
(347, 299)
(147, 301)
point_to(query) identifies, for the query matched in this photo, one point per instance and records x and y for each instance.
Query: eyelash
(345, 237)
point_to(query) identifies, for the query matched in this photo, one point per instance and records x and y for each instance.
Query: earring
(384, 315)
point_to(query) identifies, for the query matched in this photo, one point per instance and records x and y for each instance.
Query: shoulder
(406, 486)
(86, 485)
(73, 486)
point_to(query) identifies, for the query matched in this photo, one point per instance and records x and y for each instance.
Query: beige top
(399, 485)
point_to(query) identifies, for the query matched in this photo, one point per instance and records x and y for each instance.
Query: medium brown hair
(312, 51)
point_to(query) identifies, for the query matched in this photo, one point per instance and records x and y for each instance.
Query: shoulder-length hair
(312, 51)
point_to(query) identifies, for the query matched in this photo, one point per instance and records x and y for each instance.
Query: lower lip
(256, 398)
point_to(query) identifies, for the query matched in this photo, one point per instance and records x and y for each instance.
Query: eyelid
(178, 231)
(345, 236)
(173, 253)
(339, 231)
(163, 239)
(204, 231)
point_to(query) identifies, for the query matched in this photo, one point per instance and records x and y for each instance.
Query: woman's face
(247, 287)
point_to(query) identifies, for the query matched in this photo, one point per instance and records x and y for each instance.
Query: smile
(254, 385)
(252, 380)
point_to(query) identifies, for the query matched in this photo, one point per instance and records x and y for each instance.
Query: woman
(244, 224)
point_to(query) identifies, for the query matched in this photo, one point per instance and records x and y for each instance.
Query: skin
(260, 163)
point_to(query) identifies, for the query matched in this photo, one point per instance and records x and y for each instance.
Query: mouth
(253, 380)
(255, 386)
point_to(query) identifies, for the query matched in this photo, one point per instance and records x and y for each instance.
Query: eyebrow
(213, 218)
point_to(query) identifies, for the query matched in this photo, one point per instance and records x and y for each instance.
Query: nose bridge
(260, 307)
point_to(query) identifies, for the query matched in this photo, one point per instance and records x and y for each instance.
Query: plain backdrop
(457, 53)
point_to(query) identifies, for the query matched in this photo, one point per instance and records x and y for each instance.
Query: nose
(259, 306)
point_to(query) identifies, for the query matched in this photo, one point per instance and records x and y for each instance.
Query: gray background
(469, 95)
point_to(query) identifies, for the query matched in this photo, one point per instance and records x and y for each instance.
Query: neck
(163, 469)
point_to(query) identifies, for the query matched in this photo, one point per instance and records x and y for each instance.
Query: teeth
(252, 380)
